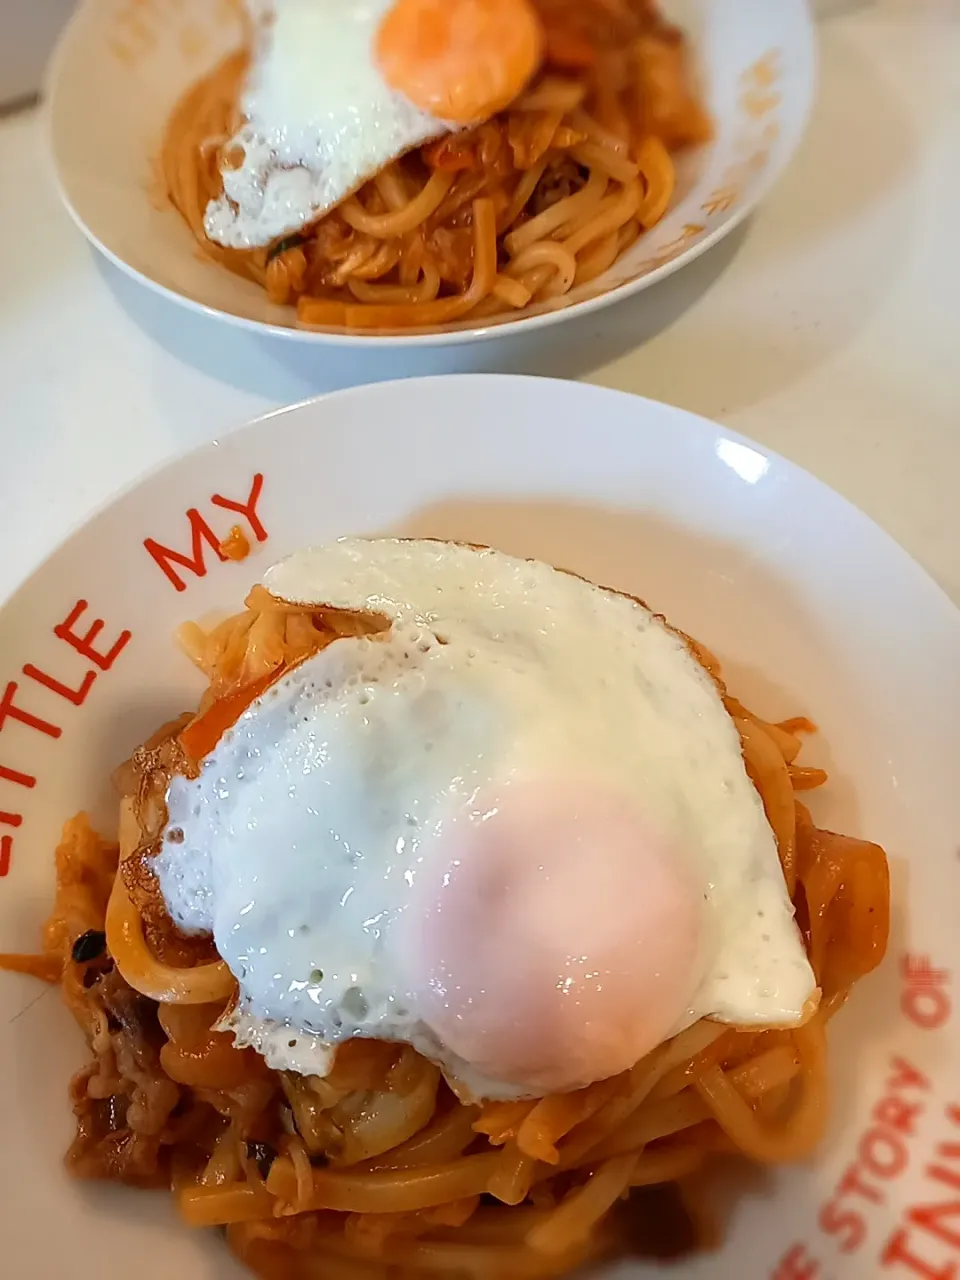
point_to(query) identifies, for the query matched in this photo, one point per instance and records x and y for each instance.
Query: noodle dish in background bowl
(429, 910)
(431, 171)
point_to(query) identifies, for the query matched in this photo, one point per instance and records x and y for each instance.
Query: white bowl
(811, 608)
(122, 65)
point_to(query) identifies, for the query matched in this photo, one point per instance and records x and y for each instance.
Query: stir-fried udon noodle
(540, 198)
(378, 1166)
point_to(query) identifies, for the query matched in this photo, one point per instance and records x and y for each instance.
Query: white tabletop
(826, 329)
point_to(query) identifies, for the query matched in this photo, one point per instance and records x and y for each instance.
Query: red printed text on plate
(201, 537)
(798, 1264)
(27, 704)
(926, 1242)
(881, 1156)
(924, 992)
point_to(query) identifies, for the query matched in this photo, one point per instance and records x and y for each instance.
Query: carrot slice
(46, 968)
(202, 734)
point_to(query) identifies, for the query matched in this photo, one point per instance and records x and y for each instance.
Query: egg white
(319, 120)
(299, 844)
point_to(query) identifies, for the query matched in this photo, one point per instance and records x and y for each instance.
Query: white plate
(811, 607)
(123, 64)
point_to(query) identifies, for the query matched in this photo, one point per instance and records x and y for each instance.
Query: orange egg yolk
(556, 941)
(460, 60)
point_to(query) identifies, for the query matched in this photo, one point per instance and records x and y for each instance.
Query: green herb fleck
(288, 242)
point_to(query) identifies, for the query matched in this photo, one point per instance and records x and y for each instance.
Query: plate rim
(685, 420)
(438, 337)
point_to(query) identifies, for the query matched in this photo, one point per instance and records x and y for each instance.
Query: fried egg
(319, 120)
(513, 829)
(337, 89)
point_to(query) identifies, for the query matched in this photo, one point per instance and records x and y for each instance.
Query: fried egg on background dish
(337, 89)
(513, 828)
